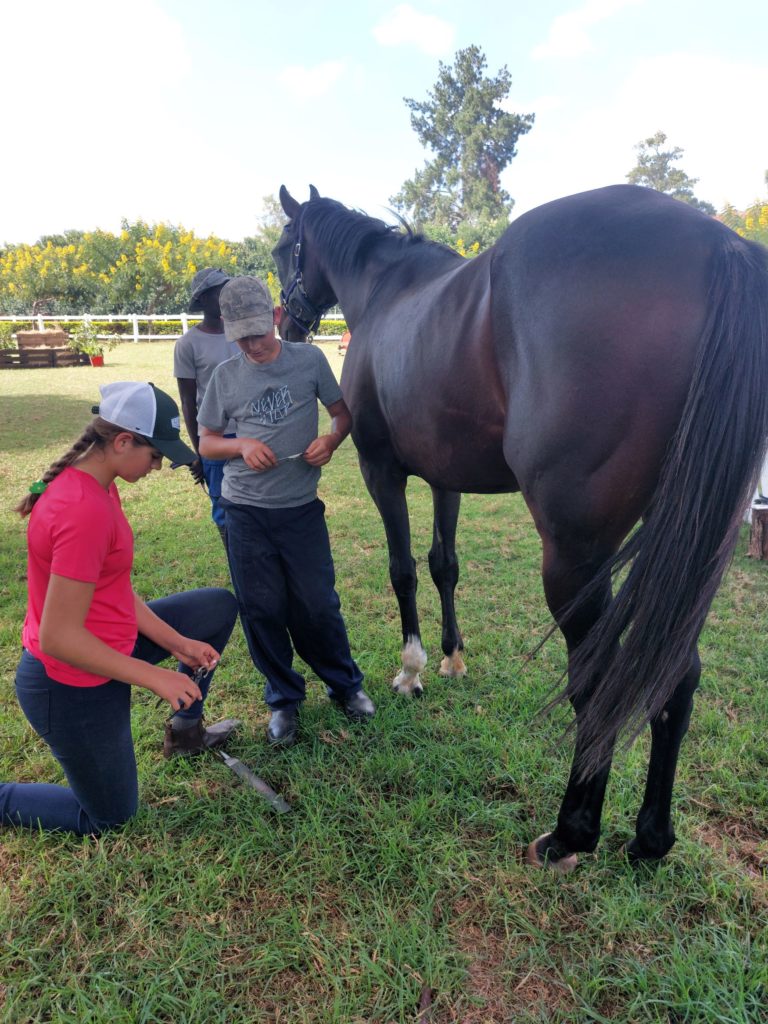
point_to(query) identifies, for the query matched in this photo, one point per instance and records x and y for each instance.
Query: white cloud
(315, 81)
(116, 50)
(568, 35)
(705, 105)
(93, 94)
(405, 26)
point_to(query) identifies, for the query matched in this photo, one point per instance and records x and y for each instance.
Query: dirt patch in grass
(287, 990)
(742, 844)
(504, 789)
(496, 990)
(10, 873)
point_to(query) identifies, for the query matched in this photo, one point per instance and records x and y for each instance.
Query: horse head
(305, 291)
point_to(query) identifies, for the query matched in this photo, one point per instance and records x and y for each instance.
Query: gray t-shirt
(196, 355)
(277, 403)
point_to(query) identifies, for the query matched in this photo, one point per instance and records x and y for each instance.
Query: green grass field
(400, 867)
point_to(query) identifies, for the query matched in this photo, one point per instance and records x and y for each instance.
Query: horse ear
(288, 203)
(313, 193)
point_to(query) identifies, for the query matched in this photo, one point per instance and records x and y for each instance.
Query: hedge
(169, 326)
(331, 327)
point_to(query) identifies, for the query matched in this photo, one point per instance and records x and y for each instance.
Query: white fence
(38, 322)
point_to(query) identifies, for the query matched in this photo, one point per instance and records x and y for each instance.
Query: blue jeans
(282, 571)
(88, 728)
(213, 473)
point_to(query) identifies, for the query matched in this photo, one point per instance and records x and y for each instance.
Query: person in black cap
(87, 634)
(195, 356)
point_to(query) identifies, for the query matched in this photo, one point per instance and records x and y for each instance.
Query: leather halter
(296, 304)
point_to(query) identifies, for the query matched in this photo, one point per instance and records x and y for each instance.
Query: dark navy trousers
(88, 728)
(282, 570)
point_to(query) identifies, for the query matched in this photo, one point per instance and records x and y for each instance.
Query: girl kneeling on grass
(87, 635)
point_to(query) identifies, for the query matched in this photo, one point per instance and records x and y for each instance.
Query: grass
(400, 867)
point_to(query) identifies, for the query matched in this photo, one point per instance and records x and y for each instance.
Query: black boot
(281, 731)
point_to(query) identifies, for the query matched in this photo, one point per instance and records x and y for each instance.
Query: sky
(191, 112)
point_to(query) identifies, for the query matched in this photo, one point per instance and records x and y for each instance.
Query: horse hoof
(453, 665)
(635, 855)
(407, 685)
(408, 690)
(536, 857)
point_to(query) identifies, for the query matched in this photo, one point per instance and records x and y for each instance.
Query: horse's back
(558, 361)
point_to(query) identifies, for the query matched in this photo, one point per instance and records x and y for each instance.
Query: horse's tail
(628, 666)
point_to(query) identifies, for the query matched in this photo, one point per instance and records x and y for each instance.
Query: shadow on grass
(29, 422)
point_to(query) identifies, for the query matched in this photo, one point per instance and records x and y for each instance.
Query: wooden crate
(758, 534)
(32, 358)
(38, 339)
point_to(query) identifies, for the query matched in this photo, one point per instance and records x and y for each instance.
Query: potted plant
(7, 339)
(85, 339)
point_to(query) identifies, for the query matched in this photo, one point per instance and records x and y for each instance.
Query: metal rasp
(250, 778)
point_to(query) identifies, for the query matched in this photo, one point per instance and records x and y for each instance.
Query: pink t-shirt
(79, 531)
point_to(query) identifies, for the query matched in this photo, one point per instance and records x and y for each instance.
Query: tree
(654, 170)
(46, 277)
(144, 269)
(752, 223)
(473, 140)
(254, 253)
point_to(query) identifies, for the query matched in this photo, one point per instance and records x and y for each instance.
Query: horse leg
(444, 567)
(386, 483)
(578, 822)
(655, 835)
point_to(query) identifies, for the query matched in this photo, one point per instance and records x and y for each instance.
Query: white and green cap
(146, 410)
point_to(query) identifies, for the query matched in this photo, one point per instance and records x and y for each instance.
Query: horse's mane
(351, 235)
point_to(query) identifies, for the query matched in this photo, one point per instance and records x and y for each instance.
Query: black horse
(608, 358)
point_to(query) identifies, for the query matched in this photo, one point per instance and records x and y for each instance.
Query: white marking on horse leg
(453, 664)
(414, 659)
(562, 866)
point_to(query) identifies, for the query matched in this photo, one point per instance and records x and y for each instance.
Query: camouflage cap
(246, 308)
(208, 277)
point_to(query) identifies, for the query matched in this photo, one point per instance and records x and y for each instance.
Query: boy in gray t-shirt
(277, 541)
(196, 355)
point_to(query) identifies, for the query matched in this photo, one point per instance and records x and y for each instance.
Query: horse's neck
(355, 289)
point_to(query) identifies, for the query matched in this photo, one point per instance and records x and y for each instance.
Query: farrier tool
(243, 772)
(250, 778)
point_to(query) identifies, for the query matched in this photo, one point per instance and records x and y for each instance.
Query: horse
(612, 346)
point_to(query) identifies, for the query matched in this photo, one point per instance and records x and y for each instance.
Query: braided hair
(97, 434)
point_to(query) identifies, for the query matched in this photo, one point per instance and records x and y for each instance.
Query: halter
(296, 304)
